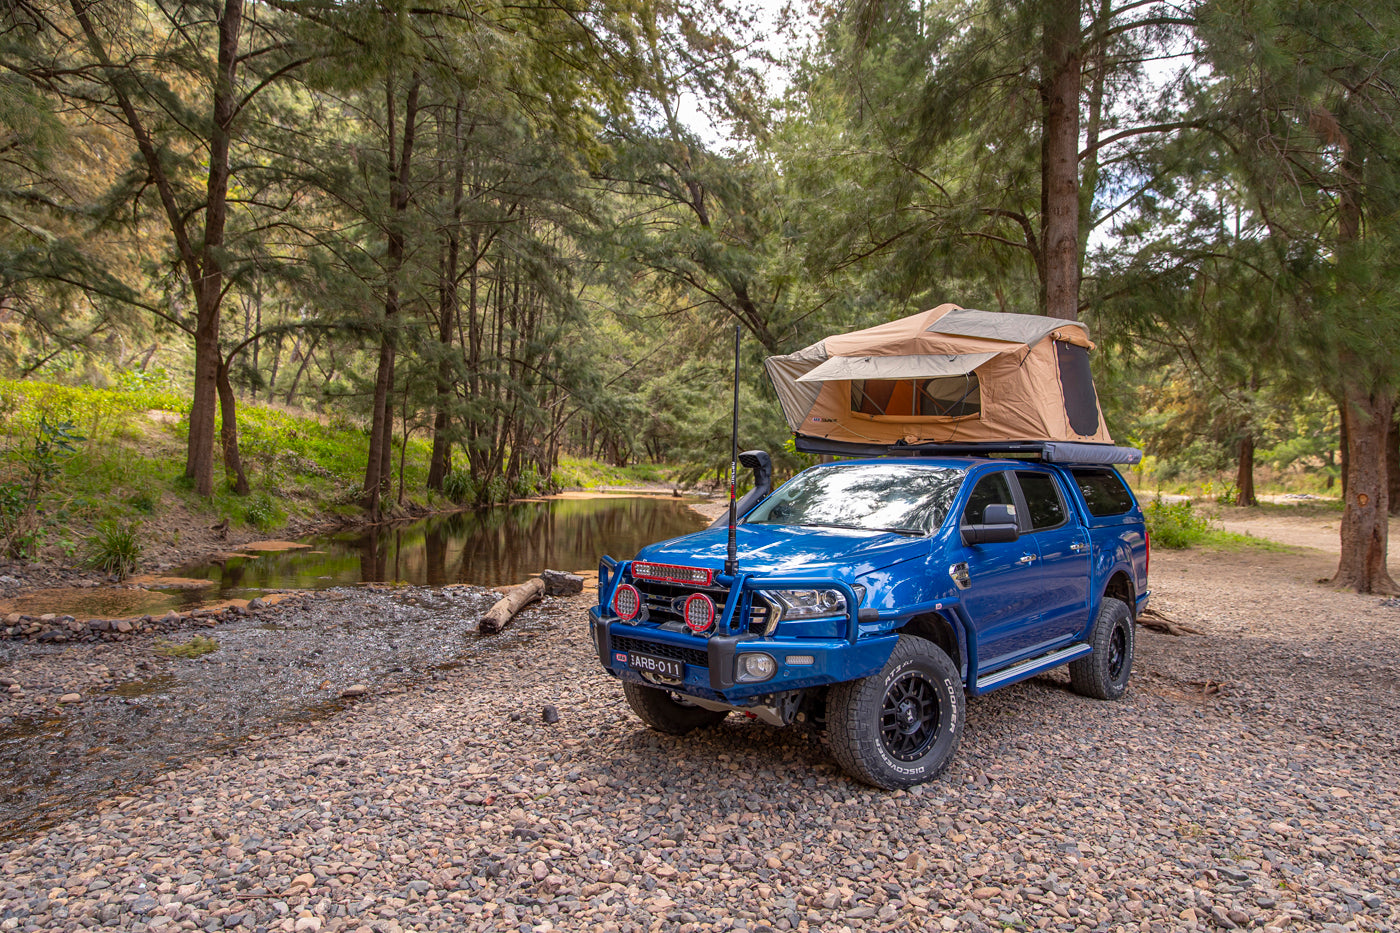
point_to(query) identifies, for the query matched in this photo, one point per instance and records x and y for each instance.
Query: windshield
(898, 497)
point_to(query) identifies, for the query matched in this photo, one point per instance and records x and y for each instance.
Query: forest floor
(1245, 780)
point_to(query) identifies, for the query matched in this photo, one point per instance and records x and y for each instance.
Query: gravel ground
(1247, 779)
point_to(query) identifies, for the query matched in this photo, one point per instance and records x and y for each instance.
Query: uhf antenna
(731, 560)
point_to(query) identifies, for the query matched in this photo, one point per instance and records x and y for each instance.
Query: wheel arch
(936, 628)
(1120, 587)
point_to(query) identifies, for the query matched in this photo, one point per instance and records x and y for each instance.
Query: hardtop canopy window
(941, 397)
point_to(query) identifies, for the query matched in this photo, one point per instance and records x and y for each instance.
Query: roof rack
(1046, 451)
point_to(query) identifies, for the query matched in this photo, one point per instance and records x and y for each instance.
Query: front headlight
(809, 604)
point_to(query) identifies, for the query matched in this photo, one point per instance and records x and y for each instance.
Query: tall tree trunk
(228, 431)
(1367, 412)
(1244, 476)
(378, 463)
(1366, 417)
(199, 255)
(1060, 76)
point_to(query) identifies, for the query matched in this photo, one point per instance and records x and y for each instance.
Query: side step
(1031, 667)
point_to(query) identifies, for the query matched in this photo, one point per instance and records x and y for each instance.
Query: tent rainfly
(949, 375)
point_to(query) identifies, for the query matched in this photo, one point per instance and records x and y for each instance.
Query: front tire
(899, 727)
(659, 710)
(1103, 674)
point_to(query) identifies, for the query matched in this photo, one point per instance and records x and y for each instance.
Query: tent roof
(926, 366)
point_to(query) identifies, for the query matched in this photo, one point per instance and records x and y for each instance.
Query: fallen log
(517, 598)
(1157, 622)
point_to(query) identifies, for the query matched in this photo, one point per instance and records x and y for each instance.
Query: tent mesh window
(1077, 382)
(942, 397)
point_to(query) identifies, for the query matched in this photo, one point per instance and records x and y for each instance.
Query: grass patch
(196, 647)
(589, 474)
(115, 548)
(1177, 525)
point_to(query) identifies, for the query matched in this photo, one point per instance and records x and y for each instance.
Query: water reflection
(489, 547)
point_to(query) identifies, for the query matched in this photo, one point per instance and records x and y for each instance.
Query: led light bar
(671, 573)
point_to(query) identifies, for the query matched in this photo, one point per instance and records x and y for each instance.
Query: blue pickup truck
(871, 597)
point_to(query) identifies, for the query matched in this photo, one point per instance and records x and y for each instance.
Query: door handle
(1078, 546)
(1027, 559)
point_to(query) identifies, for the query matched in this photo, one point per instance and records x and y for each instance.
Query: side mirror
(998, 526)
(762, 466)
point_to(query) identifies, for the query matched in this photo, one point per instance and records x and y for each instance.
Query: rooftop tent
(949, 375)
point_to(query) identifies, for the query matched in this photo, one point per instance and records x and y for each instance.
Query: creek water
(289, 666)
(485, 547)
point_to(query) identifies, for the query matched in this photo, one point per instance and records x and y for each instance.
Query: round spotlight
(627, 602)
(699, 613)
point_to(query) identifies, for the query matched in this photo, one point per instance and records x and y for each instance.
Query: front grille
(665, 602)
(656, 649)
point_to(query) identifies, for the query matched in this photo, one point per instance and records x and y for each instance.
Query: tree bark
(1060, 77)
(1392, 466)
(1244, 476)
(1366, 417)
(228, 431)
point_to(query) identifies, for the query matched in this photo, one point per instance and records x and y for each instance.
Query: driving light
(756, 666)
(670, 573)
(627, 602)
(699, 612)
(801, 660)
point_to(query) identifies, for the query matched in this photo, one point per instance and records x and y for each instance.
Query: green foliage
(459, 486)
(196, 647)
(262, 512)
(21, 521)
(115, 548)
(1176, 525)
(590, 474)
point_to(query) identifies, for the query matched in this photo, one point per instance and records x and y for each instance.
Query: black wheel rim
(910, 717)
(1118, 653)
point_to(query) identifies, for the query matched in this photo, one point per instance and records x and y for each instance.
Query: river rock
(559, 583)
(124, 626)
(71, 698)
(355, 690)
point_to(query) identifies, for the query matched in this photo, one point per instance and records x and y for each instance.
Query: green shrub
(459, 486)
(261, 512)
(115, 548)
(1176, 524)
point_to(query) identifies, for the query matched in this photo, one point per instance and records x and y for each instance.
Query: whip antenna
(731, 560)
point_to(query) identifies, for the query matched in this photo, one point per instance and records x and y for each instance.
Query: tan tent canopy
(947, 375)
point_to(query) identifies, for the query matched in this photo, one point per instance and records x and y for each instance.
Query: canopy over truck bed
(978, 381)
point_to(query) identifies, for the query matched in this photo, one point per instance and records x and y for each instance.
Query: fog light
(756, 666)
(627, 602)
(800, 660)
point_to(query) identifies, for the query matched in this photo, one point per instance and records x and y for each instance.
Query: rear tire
(659, 710)
(899, 727)
(1103, 675)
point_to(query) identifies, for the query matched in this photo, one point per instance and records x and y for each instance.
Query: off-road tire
(1104, 673)
(659, 710)
(899, 727)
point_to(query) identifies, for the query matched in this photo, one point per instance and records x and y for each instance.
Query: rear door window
(1047, 509)
(1103, 491)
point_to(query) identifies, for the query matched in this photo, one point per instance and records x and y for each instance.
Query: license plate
(664, 667)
